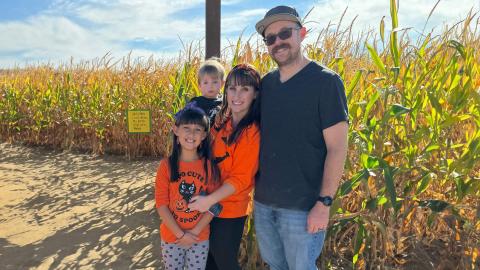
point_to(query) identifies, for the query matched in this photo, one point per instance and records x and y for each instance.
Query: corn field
(409, 198)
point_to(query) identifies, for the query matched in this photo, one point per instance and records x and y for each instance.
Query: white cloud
(122, 20)
(230, 2)
(49, 38)
(412, 13)
(86, 29)
(91, 28)
(242, 20)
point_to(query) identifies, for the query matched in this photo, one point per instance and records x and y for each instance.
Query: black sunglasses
(284, 34)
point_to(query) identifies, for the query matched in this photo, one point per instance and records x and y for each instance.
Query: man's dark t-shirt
(293, 151)
(209, 105)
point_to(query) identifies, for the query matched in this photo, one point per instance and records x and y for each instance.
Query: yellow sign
(139, 121)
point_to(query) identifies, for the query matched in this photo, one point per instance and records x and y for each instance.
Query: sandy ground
(63, 210)
(60, 210)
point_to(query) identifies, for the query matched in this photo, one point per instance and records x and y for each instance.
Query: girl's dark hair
(193, 115)
(244, 75)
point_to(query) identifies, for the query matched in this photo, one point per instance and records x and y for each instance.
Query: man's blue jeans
(283, 239)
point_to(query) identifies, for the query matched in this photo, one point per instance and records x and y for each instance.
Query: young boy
(210, 81)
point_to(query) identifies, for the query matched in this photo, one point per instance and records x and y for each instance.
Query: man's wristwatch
(327, 200)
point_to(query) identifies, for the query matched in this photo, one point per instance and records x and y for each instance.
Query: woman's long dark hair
(193, 115)
(244, 75)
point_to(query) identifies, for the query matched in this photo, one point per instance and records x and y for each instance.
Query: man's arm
(337, 142)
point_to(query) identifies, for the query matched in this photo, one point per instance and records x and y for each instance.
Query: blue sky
(55, 31)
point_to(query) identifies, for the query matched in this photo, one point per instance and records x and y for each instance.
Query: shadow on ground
(60, 210)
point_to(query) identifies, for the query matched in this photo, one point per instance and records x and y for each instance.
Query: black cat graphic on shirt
(187, 190)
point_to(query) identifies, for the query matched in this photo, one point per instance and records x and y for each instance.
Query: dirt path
(60, 210)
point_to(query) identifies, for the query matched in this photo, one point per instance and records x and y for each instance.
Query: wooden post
(212, 22)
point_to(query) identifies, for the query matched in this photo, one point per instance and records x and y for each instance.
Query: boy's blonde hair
(211, 66)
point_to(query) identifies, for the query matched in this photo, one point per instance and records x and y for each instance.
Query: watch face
(327, 200)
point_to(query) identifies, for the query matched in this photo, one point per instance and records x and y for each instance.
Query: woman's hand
(187, 240)
(200, 203)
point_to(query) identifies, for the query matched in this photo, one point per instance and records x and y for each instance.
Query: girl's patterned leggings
(178, 258)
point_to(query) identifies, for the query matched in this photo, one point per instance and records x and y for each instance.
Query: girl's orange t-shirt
(176, 195)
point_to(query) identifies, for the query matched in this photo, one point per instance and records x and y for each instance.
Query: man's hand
(200, 203)
(318, 218)
(187, 240)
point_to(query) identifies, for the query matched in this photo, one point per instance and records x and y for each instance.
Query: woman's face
(239, 99)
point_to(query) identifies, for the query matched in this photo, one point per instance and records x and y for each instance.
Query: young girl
(235, 148)
(187, 172)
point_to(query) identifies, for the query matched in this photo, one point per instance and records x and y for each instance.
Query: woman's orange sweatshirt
(238, 165)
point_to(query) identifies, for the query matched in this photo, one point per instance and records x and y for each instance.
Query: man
(303, 147)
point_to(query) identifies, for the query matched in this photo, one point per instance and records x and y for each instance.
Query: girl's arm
(167, 219)
(202, 223)
(184, 239)
(162, 199)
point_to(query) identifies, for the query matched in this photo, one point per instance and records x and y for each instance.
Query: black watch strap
(326, 200)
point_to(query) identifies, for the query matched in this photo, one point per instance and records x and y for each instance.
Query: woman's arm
(240, 177)
(203, 203)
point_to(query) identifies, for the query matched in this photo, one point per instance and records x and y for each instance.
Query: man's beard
(292, 56)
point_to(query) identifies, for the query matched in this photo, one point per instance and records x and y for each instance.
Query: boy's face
(210, 85)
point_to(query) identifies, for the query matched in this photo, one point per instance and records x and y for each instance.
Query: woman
(236, 145)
